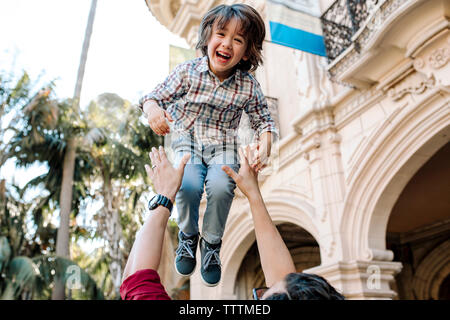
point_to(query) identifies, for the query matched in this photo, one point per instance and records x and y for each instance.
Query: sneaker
(211, 268)
(185, 254)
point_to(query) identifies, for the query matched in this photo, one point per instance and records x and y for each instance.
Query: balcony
(367, 39)
(340, 22)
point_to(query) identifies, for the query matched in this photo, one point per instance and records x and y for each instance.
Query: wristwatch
(160, 200)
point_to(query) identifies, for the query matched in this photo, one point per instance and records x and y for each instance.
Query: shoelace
(184, 248)
(211, 257)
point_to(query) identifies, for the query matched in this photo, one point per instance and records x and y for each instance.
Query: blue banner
(296, 24)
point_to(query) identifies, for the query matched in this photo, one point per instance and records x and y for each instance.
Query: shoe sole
(181, 274)
(207, 283)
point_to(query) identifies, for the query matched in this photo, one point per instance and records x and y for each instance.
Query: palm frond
(75, 278)
(20, 276)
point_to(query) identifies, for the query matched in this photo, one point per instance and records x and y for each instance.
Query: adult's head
(302, 286)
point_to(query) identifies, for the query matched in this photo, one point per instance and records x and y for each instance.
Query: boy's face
(226, 48)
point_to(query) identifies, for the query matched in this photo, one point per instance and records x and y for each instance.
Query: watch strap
(162, 201)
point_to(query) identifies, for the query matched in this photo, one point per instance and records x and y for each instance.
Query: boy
(205, 98)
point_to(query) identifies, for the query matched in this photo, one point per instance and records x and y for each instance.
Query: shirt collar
(203, 66)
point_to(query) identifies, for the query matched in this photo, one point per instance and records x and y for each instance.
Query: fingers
(162, 154)
(161, 127)
(249, 154)
(230, 172)
(259, 166)
(154, 157)
(168, 116)
(244, 156)
(149, 170)
(158, 123)
(183, 162)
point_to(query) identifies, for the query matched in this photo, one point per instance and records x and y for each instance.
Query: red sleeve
(143, 285)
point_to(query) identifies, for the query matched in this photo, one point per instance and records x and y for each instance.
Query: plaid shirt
(207, 109)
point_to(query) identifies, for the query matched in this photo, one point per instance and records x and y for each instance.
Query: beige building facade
(359, 185)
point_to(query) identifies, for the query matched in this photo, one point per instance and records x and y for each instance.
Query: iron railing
(340, 22)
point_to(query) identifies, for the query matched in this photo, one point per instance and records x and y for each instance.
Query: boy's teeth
(223, 55)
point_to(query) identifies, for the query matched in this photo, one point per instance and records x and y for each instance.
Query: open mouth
(223, 56)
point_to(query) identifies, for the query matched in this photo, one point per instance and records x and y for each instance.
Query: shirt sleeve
(143, 285)
(258, 113)
(167, 92)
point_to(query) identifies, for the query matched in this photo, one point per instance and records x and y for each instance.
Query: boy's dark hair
(252, 26)
(304, 286)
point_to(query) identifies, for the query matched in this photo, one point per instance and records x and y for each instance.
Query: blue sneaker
(185, 254)
(211, 269)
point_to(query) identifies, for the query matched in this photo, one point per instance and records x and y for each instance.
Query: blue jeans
(204, 171)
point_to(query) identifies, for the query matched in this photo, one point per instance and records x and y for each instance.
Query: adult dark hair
(305, 286)
(252, 26)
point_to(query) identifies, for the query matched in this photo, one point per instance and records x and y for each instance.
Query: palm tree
(62, 241)
(27, 270)
(13, 96)
(120, 173)
(42, 137)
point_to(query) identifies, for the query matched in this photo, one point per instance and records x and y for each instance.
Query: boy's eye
(238, 40)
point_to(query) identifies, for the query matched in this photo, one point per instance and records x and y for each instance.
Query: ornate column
(321, 147)
(361, 279)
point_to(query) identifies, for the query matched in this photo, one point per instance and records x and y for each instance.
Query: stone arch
(431, 272)
(392, 155)
(284, 207)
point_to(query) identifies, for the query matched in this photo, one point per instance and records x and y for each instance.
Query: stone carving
(378, 255)
(415, 84)
(439, 57)
(418, 64)
(360, 101)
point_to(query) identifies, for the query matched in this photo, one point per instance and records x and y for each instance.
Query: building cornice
(388, 20)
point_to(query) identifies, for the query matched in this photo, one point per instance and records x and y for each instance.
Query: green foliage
(113, 147)
(32, 276)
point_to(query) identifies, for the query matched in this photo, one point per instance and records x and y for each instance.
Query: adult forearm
(271, 246)
(148, 243)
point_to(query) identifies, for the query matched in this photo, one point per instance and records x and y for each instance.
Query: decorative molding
(439, 57)
(415, 84)
(354, 279)
(372, 188)
(378, 255)
(361, 101)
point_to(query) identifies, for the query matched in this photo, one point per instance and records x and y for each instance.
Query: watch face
(153, 203)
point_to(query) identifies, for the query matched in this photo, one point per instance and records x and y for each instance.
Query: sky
(128, 53)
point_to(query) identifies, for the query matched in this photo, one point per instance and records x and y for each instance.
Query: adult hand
(156, 117)
(247, 178)
(260, 156)
(165, 178)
